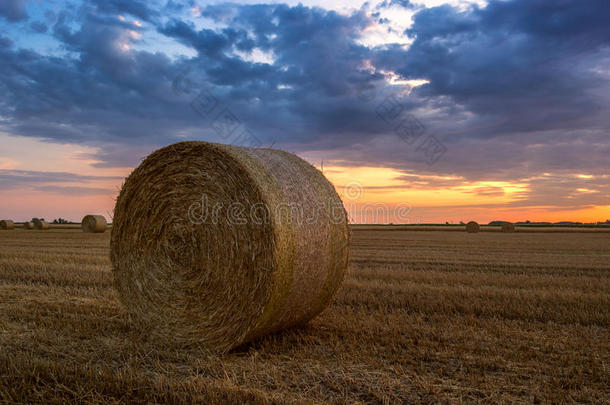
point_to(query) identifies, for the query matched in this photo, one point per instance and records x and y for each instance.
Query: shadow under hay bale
(217, 245)
(94, 224)
(473, 227)
(7, 225)
(41, 225)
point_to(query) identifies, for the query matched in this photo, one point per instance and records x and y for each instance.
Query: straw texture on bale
(7, 224)
(472, 227)
(28, 225)
(41, 225)
(216, 245)
(508, 227)
(94, 224)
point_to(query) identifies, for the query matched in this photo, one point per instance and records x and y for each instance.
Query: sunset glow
(457, 109)
(453, 200)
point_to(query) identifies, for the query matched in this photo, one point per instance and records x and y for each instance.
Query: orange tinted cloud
(374, 194)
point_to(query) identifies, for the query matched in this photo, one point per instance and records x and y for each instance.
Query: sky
(417, 111)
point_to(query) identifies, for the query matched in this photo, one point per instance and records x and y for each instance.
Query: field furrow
(422, 317)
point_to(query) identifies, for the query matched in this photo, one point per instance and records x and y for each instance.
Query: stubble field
(422, 317)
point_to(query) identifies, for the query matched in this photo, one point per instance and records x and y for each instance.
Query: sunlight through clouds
(516, 107)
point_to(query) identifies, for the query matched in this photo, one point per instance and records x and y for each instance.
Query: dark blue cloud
(39, 181)
(208, 42)
(39, 27)
(10, 179)
(310, 85)
(75, 190)
(401, 3)
(13, 10)
(529, 64)
(137, 8)
(517, 82)
(5, 42)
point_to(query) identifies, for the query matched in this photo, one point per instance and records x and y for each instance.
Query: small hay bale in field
(472, 227)
(216, 245)
(28, 225)
(94, 224)
(41, 225)
(508, 227)
(7, 224)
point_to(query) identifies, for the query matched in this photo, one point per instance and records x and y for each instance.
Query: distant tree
(37, 219)
(60, 221)
(462, 223)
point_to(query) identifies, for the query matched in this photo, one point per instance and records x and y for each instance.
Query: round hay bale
(41, 225)
(216, 245)
(94, 224)
(28, 225)
(508, 227)
(7, 224)
(473, 227)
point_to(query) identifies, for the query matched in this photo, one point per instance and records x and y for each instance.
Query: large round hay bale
(94, 224)
(216, 245)
(28, 225)
(508, 227)
(7, 224)
(41, 225)
(472, 227)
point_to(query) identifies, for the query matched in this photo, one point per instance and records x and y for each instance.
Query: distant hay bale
(41, 225)
(472, 227)
(28, 225)
(7, 224)
(508, 227)
(94, 224)
(216, 245)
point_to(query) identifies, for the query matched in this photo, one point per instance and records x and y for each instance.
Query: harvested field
(423, 316)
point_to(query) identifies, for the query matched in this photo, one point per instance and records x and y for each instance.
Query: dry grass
(41, 225)
(423, 317)
(225, 277)
(7, 225)
(94, 224)
(508, 227)
(473, 227)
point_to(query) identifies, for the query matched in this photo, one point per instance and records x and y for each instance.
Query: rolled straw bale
(7, 224)
(41, 225)
(217, 245)
(472, 227)
(94, 224)
(28, 225)
(508, 227)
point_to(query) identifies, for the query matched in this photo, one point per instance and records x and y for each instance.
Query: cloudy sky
(459, 110)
